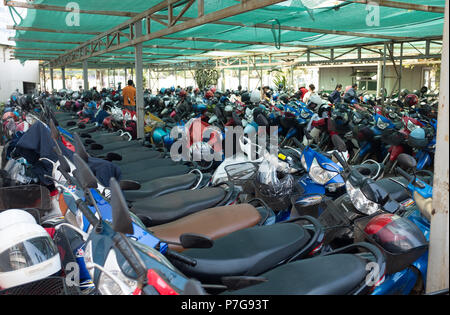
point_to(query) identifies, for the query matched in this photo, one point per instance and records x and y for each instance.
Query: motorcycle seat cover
(248, 252)
(327, 275)
(162, 186)
(214, 223)
(167, 208)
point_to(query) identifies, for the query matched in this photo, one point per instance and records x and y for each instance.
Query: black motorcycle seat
(248, 252)
(145, 165)
(162, 186)
(167, 208)
(336, 274)
(395, 190)
(104, 148)
(129, 155)
(149, 174)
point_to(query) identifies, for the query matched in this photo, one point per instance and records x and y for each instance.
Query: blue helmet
(418, 133)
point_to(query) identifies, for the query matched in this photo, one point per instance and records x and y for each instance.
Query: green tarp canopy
(342, 16)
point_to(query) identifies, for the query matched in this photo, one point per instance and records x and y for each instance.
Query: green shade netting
(347, 17)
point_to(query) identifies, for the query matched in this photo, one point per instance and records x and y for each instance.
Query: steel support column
(85, 75)
(52, 83)
(45, 81)
(139, 83)
(437, 274)
(383, 78)
(63, 77)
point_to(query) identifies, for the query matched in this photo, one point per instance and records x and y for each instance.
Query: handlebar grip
(90, 216)
(341, 160)
(404, 174)
(181, 258)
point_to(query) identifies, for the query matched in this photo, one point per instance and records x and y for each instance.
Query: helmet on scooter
(209, 95)
(411, 100)
(255, 97)
(9, 115)
(284, 98)
(324, 110)
(404, 93)
(27, 252)
(395, 234)
(314, 102)
(245, 98)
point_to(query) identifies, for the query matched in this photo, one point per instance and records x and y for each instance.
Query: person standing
(129, 94)
(351, 94)
(311, 92)
(335, 97)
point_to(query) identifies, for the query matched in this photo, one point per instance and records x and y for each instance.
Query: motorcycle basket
(243, 175)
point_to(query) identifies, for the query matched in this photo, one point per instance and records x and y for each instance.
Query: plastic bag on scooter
(271, 183)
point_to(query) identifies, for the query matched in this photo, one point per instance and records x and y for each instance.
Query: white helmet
(255, 97)
(27, 252)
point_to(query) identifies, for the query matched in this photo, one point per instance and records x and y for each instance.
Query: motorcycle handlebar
(90, 216)
(341, 160)
(404, 174)
(184, 259)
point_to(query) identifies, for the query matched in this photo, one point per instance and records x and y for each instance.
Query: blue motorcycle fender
(366, 148)
(310, 187)
(423, 160)
(291, 133)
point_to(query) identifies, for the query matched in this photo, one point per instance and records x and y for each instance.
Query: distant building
(15, 76)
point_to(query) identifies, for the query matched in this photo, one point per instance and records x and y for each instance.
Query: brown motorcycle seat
(214, 223)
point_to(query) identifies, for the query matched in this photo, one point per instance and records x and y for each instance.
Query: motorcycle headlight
(320, 175)
(382, 125)
(108, 286)
(360, 201)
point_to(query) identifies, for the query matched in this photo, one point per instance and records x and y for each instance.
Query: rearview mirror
(120, 213)
(406, 161)
(54, 132)
(63, 165)
(83, 173)
(190, 240)
(79, 147)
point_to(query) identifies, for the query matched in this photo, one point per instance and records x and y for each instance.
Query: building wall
(330, 77)
(13, 74)
(412, 77)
